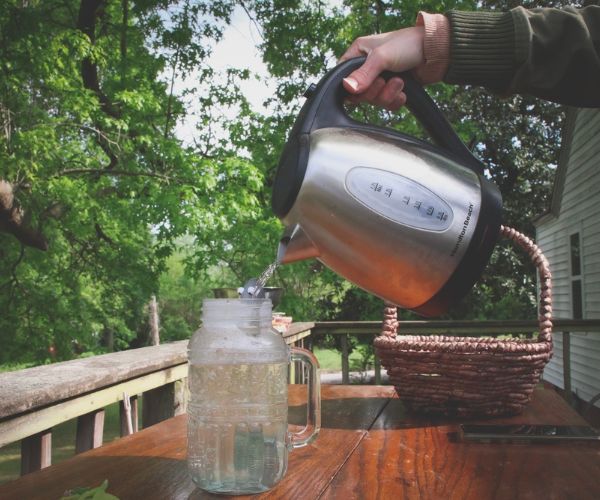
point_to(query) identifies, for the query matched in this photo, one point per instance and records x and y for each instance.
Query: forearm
(550, 53)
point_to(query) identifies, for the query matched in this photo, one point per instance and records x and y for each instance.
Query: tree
(95, 187)
(96, 190)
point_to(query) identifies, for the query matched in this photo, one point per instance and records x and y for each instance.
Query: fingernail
(352, 83)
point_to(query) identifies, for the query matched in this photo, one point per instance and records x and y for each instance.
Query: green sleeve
(549, 53)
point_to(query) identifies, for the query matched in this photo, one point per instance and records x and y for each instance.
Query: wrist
(436, 47)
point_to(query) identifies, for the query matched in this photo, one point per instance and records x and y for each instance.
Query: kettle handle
(330, 111)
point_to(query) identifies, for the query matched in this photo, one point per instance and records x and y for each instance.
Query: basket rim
(461, 344)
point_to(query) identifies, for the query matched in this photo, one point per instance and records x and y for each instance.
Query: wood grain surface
(151, 464)
(412, 457)
(368, 448)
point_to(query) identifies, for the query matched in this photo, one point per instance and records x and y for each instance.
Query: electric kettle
(411, 222)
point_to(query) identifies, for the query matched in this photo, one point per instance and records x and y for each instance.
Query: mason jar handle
(313, 410)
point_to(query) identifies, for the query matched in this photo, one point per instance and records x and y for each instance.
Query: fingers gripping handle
(313, 409)
(331, 113)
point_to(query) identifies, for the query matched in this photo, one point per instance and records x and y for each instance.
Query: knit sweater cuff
(482, 48)
(436, 47)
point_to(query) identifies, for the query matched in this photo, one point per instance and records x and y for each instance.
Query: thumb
(361, 79)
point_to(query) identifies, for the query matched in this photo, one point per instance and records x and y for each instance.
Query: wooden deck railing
(563, 327)
(34, 400)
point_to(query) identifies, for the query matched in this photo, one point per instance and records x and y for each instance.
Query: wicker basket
(469, 376)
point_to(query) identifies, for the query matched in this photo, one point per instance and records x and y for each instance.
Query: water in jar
(238, 426)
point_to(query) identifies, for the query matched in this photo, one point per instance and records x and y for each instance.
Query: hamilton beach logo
(464, 230)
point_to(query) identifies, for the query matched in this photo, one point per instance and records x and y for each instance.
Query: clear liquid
(266, 274)
(237, 426)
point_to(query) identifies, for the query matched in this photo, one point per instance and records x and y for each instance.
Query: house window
(576, 288)
(575, 255)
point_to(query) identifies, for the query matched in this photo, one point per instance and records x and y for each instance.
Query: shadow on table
(369, 414)
(363, 413)
(129, 478)
(135, 477)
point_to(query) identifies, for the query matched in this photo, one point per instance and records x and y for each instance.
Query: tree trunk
(154, 322)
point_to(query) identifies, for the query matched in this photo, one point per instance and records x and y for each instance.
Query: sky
(237, 49)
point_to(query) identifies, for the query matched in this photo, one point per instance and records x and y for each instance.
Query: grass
(331, 359)
(63, 443)
(9, 367)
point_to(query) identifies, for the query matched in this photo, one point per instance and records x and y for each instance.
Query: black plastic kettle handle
(329, 96)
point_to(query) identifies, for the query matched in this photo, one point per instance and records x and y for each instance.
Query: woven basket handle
(390, 313)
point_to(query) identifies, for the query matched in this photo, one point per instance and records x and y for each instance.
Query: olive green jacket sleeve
(549, 53)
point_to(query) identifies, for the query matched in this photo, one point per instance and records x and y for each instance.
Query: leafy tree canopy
(97, 191)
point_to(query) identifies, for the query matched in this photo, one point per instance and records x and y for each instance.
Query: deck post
(377, 369)
(90, 430)
(566, 341)
(164, 402)
(128, 412)
(180, 399)
(36, 452)
(345, 360)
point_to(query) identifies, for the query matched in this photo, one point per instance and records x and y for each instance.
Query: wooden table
(368, 448)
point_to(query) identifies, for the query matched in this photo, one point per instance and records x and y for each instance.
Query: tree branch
(102, 235)
(89, 10)
(252, 20)
(5, 116)
(96, 171)
(12, 219)
(172, 86)
(125, 8)
(86, 23)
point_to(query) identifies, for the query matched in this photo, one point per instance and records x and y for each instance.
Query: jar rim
(255, 301)
(223, 309)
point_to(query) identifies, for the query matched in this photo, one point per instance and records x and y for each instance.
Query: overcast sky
(238, 49)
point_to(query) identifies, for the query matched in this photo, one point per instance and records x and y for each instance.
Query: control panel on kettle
(399, 198)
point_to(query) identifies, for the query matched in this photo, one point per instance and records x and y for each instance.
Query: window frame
(576, 280)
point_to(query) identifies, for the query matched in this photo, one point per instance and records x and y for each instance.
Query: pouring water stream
(254, 287)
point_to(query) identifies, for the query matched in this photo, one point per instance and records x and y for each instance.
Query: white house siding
(577, 210)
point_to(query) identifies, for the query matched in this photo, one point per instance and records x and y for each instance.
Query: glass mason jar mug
(238, 438)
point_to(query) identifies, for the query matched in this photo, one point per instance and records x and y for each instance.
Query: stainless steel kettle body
(408, 221)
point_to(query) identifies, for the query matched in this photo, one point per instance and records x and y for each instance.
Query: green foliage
(179, 299)
(88, 149)
(91, 493)
(331, 360)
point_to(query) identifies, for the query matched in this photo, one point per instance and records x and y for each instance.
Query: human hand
(396, 51)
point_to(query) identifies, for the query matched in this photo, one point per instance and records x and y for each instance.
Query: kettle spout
(295, 245)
